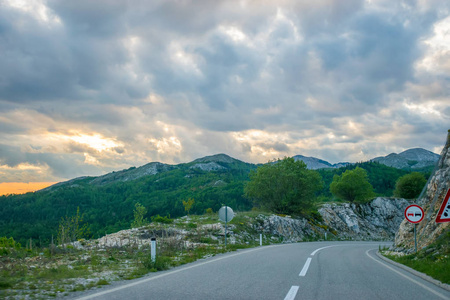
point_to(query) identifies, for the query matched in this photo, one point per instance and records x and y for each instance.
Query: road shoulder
(417, 273)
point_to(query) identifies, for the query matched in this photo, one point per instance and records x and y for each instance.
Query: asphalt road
(319, 270)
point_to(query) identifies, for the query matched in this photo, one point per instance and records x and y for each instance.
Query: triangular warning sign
(444, 212)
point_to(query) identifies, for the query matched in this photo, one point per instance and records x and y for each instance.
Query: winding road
(317, 270)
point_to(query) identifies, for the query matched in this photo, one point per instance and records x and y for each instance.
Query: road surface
(318, 270)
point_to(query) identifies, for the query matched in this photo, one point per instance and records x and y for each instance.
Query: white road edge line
(407, 277)
(292, 293)
(305, 267)
(169, 273)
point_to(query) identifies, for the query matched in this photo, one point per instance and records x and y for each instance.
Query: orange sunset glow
(7, 188)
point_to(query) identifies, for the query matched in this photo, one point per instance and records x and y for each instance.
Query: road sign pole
(226, 224)
(414, 214)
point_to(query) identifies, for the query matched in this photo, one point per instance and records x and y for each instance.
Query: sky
(89, 87)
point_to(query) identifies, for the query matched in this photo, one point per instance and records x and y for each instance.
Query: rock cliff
(376, 220)
(428, 230)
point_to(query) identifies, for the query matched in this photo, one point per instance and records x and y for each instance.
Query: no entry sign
(414, 213)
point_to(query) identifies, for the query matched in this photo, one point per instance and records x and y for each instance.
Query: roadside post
(260, 239)
(226, 214)
(153, 249)
(414, 214)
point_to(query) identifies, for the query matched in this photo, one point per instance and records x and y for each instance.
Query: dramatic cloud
(87, 87)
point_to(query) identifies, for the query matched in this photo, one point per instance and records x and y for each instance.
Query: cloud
(88, 87)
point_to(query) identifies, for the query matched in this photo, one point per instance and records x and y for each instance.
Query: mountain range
(412, 159)
(416, 158)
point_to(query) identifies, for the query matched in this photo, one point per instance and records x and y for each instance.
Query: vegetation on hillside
(109, 207)
(381, 177)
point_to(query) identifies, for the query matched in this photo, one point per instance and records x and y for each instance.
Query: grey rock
(210, 166)
(376, 220)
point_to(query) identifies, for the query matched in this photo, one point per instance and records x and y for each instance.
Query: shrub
(352, 185)
(159, 219)
(410, 185)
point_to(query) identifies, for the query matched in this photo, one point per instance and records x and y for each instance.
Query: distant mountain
(315, 163)
(218, 162)
(415, 158)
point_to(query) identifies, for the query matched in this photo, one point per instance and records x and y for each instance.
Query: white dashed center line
(292, 292)
(305, 267)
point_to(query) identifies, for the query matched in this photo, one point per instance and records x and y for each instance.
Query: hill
(316, 163)
(416, 158)
(107, 202)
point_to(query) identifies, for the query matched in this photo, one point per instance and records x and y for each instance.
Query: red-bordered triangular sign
(444, 212)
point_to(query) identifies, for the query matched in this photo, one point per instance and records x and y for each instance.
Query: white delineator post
(260, 239)
(153, 249)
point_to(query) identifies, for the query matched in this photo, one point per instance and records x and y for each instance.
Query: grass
(433, 260)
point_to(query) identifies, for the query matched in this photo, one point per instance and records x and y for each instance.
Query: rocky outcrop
(132, 173)
(211, 166)
(376, 220)
(287, 228)
(428, 230)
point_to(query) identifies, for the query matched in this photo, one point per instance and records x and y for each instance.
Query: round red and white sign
(414, 213)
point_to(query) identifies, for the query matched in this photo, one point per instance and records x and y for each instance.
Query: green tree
(409, 186)
(283, 186)
(139, 213)
(352, 185)
(70, 229)
(188, 204)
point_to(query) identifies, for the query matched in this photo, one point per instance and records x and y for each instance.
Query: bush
(410, 186)
(8, 244)
(352, 185)
(159, 219)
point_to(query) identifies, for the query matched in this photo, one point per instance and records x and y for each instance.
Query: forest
(109, 207)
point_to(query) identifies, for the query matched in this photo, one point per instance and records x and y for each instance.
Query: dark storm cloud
(175, 80)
